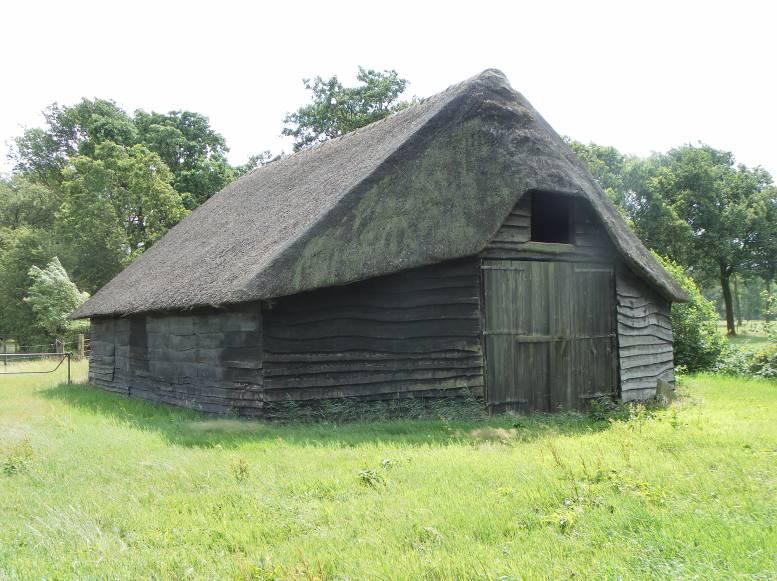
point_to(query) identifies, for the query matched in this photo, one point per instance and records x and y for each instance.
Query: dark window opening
(551, 218)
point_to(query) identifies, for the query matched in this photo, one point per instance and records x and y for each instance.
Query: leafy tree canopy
(184, 141)
(20, 248)
(194, 152)
(23, 202)
(115, 205)
(724, 206)
(337, 109)
(256, 161)
(52, 297)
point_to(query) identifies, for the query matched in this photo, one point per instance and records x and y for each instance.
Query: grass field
(95, 486)
(750, 334)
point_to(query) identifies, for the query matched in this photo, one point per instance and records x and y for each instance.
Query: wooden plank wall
(412, 333)
(645, 344)
(210, 361)
(106, 336)
(415, 333)
(513, 239)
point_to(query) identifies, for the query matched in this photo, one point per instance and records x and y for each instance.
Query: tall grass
(96, 486)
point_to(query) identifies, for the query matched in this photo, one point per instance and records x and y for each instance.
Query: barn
(455, 248)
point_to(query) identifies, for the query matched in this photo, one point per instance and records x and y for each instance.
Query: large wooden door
(549, 334)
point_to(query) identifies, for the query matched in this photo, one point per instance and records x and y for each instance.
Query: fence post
(5, 354)
(59, 346)
(80, 354)
(68, 368)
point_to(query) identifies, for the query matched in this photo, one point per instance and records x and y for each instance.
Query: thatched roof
(428, 184)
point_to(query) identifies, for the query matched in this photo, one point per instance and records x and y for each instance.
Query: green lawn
(93, 485)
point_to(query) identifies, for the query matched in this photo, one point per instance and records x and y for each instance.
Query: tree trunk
(737, 302)
(725, 283)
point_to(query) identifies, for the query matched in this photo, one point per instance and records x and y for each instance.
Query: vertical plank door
(594, 357)
(549, 336)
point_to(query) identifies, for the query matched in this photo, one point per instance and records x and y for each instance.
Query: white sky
(642, 76)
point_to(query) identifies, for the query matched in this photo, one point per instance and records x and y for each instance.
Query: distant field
(96, 486)
(749, 334)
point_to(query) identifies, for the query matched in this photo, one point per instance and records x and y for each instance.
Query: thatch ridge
(328, 215)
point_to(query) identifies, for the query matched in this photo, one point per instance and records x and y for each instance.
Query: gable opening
(551, 218)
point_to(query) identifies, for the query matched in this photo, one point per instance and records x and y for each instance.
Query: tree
(27, 212)
(115, 206)
(628, 182)
(97, 186)
(43, 154)
(337, 110)
(697, 342)
(695, 205)
(606, 165)
(763, 260)
(183, 140)
(52, 297)
(724, 206)
(256, 161)
(19, 249)
(194, 152)
(24, 203)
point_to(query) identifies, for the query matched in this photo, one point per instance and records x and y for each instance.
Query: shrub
(758, 363)
(769, 302)
(698, 344)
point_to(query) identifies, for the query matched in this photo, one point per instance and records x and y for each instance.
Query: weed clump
(239, 469)
(16, 458)
(371, 478)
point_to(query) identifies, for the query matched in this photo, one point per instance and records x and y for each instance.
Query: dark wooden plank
(373, 329)
(406, 331)
(366, 377)
(394, 364)
(372, 389)
(361, 356)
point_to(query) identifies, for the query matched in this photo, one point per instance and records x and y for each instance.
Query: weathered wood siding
(210, 360)
(513, 239)
(644, 337)
(106, 336)
(412, 333)
(645, 350)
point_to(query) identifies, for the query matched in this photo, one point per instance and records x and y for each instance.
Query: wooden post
(80, 353)
(5, 353)
(59, 346)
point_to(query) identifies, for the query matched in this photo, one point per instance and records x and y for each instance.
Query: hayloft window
(551, 218)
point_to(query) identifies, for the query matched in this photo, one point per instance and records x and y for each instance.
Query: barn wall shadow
(190, 428)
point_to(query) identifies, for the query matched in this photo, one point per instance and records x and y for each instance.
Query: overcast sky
(642, 76)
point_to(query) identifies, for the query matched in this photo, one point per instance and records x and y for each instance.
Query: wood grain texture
(549, 334)
(645, 345)
(416, 331)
